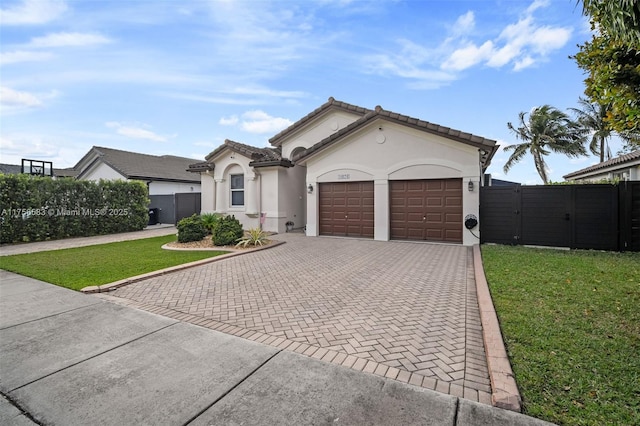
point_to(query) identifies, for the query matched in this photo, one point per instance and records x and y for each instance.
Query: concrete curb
(117, 284)
(504, 389)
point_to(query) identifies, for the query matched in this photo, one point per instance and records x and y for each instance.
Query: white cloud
(464, 24)
(468, 56)
(522, 44)
(265, 91)
(69, 39)
(14, 148)
(135, 132)
(260, 122)
(23, 56)
(413, 62)
(32, 12)
(14, 101)
(229, 121)
(537, 4)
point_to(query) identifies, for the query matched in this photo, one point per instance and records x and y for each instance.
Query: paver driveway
(402, 310)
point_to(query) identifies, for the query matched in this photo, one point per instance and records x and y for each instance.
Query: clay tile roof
(626, 158)
(331, 103)
(261, 157)
(488, 146)
(204, 166)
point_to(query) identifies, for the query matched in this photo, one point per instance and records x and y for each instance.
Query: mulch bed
(206, 243)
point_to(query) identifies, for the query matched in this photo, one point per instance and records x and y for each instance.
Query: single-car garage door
(426, 210)
(346, 209)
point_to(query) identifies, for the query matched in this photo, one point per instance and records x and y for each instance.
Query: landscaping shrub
(254, 237)
(191, 229)
(228, 231)
(37, 208)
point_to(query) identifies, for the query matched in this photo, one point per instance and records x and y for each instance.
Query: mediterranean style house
(344, 170)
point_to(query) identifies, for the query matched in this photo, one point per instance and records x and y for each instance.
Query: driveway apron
(401, 310)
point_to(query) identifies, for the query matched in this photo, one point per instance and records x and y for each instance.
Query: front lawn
(80, 267)
(571, 323)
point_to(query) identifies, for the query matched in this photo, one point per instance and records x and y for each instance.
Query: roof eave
(274, 163)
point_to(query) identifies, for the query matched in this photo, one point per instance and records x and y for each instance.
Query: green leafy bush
(191, 229)
(254, 237)
(228, 231)
(210, 221)
(40, 208)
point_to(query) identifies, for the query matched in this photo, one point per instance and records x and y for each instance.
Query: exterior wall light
(470, 186)
(310, 189)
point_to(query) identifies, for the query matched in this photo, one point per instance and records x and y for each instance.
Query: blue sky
(178, 77)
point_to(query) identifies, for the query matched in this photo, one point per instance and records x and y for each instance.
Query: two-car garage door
(428, 210)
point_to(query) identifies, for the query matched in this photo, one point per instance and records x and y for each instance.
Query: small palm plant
(254, 236)
(210, 221)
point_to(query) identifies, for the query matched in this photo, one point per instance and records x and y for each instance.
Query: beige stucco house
(625, 167)
(344, 170)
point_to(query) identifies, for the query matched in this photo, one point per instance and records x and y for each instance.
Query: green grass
(571, 322)
(77, 268)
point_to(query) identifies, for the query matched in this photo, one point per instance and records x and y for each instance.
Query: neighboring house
(172, 190)
(625, 167)
(345, 170)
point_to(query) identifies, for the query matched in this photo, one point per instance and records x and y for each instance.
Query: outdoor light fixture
(470, 186)
(310, 189)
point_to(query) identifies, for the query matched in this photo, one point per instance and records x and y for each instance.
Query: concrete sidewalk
(72, 359)
(148, 232)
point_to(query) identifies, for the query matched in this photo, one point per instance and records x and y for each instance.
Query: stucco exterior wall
(292, 197)
(384, 151)
(102, 171)
(207, 193)
(169, 188)
(317, 130)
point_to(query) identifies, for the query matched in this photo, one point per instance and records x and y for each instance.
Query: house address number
(345, 176)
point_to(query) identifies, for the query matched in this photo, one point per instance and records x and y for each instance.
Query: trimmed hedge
(40, 208)
(191, 229)
(227, 232)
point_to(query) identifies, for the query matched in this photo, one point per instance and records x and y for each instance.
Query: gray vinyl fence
(172, 208)
(599, 216)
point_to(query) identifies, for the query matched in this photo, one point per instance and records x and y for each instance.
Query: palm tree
(546, 130)
(592, 117)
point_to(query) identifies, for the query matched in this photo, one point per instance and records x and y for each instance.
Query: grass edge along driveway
(571, 323)
(80, 267)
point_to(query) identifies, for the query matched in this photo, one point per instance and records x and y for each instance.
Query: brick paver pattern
(407, 311)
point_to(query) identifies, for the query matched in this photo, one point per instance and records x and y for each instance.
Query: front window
(237, 190)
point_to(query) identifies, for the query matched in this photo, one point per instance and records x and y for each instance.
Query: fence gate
(602, 217)
(630, 216)
(186, 204)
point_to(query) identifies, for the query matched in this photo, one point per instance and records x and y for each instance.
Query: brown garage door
(426, 210)
(346, 209)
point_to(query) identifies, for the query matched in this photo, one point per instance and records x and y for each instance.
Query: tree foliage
(620, 19)
(545, 130)
(612, 61)
(593, 118)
